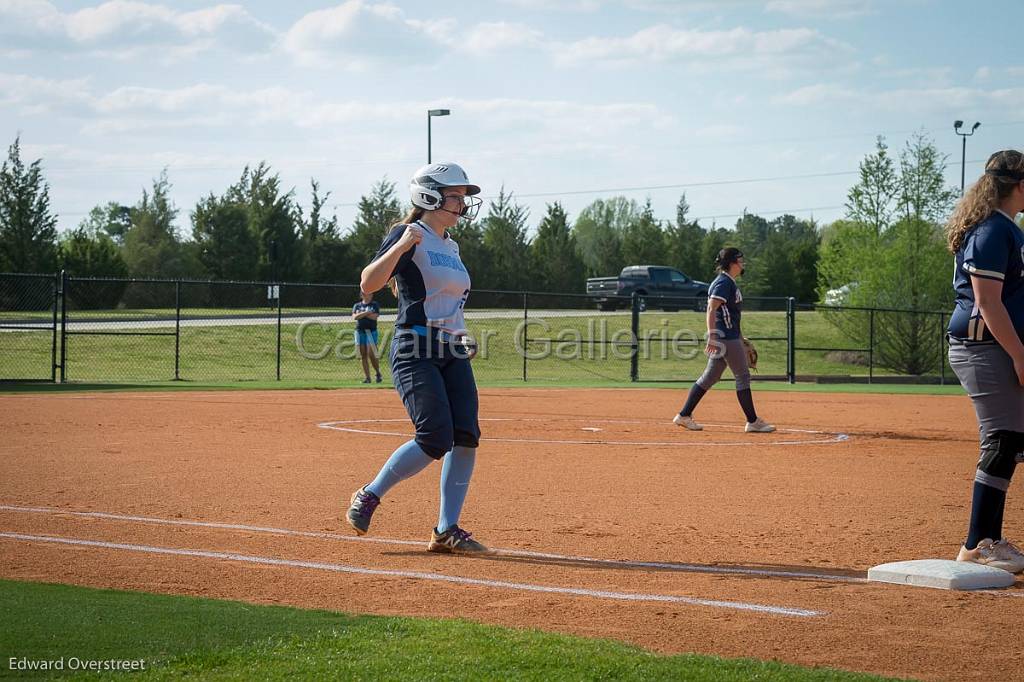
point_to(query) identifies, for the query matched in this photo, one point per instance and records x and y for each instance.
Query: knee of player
(743, 381)
(467, 439)
(436, 441)
(1000, 453)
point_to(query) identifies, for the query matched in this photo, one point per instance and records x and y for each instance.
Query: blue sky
(564, 100)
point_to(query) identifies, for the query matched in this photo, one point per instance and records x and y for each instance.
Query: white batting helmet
(428, 181)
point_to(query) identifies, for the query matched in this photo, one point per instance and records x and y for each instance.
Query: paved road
(132, 325)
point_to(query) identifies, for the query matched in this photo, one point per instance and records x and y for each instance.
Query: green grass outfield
(323, 355)
(224, 640)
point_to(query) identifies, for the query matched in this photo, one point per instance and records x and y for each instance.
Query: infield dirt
(641, 490)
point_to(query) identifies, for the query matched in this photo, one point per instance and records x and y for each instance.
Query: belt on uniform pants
(432, 333)
(954, 341)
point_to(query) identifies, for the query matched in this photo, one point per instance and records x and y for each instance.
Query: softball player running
(724, 345)
(985, 349)
(365, 313)
(430, 354)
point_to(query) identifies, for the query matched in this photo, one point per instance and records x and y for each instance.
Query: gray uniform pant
(733, 355)
(986, 372)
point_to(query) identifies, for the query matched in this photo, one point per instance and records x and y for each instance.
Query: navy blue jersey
(727, 316)
(994, 249)
(433, 284)
(366, 324)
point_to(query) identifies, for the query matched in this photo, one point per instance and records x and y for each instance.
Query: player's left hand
(466, 347)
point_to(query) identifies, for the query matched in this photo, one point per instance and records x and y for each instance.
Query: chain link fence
(28, 327)
(60, 328)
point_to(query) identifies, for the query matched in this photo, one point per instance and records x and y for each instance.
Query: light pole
(963, 151)
(431, 113)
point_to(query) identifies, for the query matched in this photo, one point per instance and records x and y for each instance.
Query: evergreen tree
(87, 253)
(378, 212)
(224, 240)
(273, 222)
(504, 238)
(683, 241)
(28, 230)
(784, 263)
(328, 256)
(477, 259)
(715, 239)
(643, 240)
(556, 265)
(152, 247)
(870, 201)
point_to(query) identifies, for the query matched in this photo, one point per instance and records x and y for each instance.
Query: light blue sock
(455, 474)
(408, 460)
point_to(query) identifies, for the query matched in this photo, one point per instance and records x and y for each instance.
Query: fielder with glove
(726, 346)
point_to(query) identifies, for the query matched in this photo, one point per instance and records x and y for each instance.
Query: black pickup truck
(653, 281)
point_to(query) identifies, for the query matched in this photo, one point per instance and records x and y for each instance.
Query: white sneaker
(687, 423)
(1001, 554)
(759, 426)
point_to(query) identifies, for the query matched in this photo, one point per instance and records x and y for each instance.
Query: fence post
(634, 359)
(942, 347)
(56, 304)
(526, 331)
(177, 330)
(63, 325)
(791, 340)
(278, 291)
(871, 345)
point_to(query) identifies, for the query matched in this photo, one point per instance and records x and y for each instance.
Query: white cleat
(759, 426)
(687, 423)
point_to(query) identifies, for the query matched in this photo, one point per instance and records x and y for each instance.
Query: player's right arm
(712, 346)
(988, 294)
(382, 268)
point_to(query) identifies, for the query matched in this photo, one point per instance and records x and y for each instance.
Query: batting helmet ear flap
(424, 197)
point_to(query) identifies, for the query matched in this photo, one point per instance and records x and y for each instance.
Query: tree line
(888, 246)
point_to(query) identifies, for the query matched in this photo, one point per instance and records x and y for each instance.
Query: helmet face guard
(429, 182)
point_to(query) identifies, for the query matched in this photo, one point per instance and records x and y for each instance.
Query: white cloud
(935, 100)
(357, 33)
(836, 9)
(32, 95)
(557, 5)
(492, 37)
(738, 47)
(124, 27)
(135, 110)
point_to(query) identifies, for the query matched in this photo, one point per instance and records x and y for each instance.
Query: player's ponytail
(1003, 171)
(413, 215)
(727, 257)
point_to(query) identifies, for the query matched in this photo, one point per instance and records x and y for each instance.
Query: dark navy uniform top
(727, 316)
(993, 249)
(366, 324)
(433, 284)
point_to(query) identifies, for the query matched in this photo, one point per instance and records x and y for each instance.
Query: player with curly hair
(985, 347)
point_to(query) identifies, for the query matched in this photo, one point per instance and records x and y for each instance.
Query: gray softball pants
(986, 373)
(732, 355)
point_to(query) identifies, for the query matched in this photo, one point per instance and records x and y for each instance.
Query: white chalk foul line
(757, 441)
(436, 577)
(619, 563)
